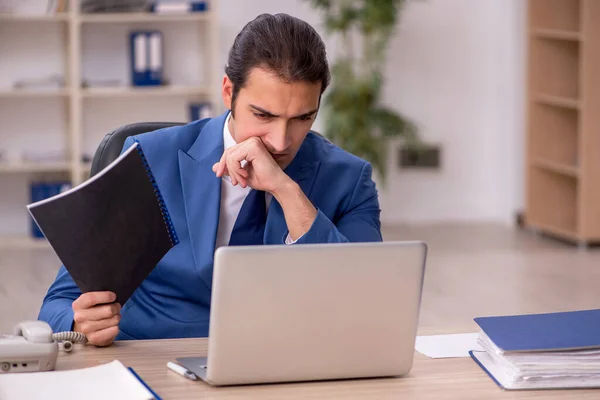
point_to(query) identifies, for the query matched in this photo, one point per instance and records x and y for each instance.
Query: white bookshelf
(78, 99)
(145, 17)
(11, 167)
(60, 17)
(163, 91)
(25, 93)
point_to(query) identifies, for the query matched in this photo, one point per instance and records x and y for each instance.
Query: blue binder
(147, 59)
(39, 191)
(541, 351)
(185, 5)
(572, 330)
(200, 111)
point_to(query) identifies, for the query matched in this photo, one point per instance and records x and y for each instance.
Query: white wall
(456, 67)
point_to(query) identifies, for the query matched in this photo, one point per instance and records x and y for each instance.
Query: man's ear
(227, 92)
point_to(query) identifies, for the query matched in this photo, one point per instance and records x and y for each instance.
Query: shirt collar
(228, 140)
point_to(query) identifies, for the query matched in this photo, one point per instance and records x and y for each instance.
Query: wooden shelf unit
(59, 17)
(75, 95)
(22, 242)
(106, 18)
(150, 91)
(563, 119)
(34, 167)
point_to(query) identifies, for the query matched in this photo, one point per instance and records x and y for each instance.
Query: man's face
(279, 113)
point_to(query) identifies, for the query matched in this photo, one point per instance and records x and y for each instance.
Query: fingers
(231, 164)
(104, 337)
(97, 313)
(220, 166)
(91, 327)
(234, 166)
(90, 299)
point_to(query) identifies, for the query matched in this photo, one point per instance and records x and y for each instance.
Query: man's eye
(306, 118)
(261, 116)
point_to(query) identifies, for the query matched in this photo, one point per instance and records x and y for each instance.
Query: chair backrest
(112, 144)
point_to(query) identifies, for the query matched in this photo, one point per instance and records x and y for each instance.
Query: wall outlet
(428, 156)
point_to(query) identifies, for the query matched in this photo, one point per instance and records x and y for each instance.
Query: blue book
(541, 351)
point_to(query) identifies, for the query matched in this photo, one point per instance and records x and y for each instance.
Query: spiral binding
(163, 208)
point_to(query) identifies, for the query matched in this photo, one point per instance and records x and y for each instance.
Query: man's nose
(279, 138)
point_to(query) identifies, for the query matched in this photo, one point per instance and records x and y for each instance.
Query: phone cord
(68, 338)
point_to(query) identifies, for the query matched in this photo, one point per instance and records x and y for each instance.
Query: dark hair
(285, 45)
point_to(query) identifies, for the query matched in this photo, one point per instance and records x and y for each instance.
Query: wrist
(284, 188)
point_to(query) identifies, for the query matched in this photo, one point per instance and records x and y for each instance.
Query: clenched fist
(249, 163)
(97, 316)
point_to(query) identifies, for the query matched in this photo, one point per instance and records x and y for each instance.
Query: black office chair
(112, 144)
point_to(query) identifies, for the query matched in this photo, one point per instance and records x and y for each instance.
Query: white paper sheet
(106, 381)
(447, 346)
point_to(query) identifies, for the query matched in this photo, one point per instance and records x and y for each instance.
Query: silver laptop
(312, 312)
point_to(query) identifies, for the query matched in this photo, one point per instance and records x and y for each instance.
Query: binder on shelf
(39, 191)
(146, 58)
(200, 111)
(110, 231)
(155, 68)
(178, 7)
(541, 351)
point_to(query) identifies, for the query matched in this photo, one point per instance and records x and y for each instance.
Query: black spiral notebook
(110, 231)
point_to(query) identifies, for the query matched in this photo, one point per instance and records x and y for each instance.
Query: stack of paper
(541, 351)
(107, 381)
(448, 346)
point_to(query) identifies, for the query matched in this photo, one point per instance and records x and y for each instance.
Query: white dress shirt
(232, 198)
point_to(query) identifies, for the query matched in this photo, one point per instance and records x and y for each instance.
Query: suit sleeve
(56, 307)
(359, 223)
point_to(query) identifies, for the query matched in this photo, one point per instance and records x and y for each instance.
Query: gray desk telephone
(34, 347)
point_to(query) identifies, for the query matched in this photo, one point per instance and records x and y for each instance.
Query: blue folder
(146, 57)
(573, 330)
(534, 337)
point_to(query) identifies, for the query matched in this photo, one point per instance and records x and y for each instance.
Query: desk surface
(429, 379)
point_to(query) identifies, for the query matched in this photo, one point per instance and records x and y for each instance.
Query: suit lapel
(202, 193)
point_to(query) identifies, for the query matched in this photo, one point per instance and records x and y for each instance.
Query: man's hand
(261, 171)
(97, 316)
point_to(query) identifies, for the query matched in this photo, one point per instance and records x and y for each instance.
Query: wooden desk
(429, 379)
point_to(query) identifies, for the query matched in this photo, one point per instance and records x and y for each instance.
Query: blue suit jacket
(174, 300)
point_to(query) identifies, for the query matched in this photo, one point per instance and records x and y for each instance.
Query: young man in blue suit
(255, 175)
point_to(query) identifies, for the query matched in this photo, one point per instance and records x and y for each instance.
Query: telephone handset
(33, 347)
